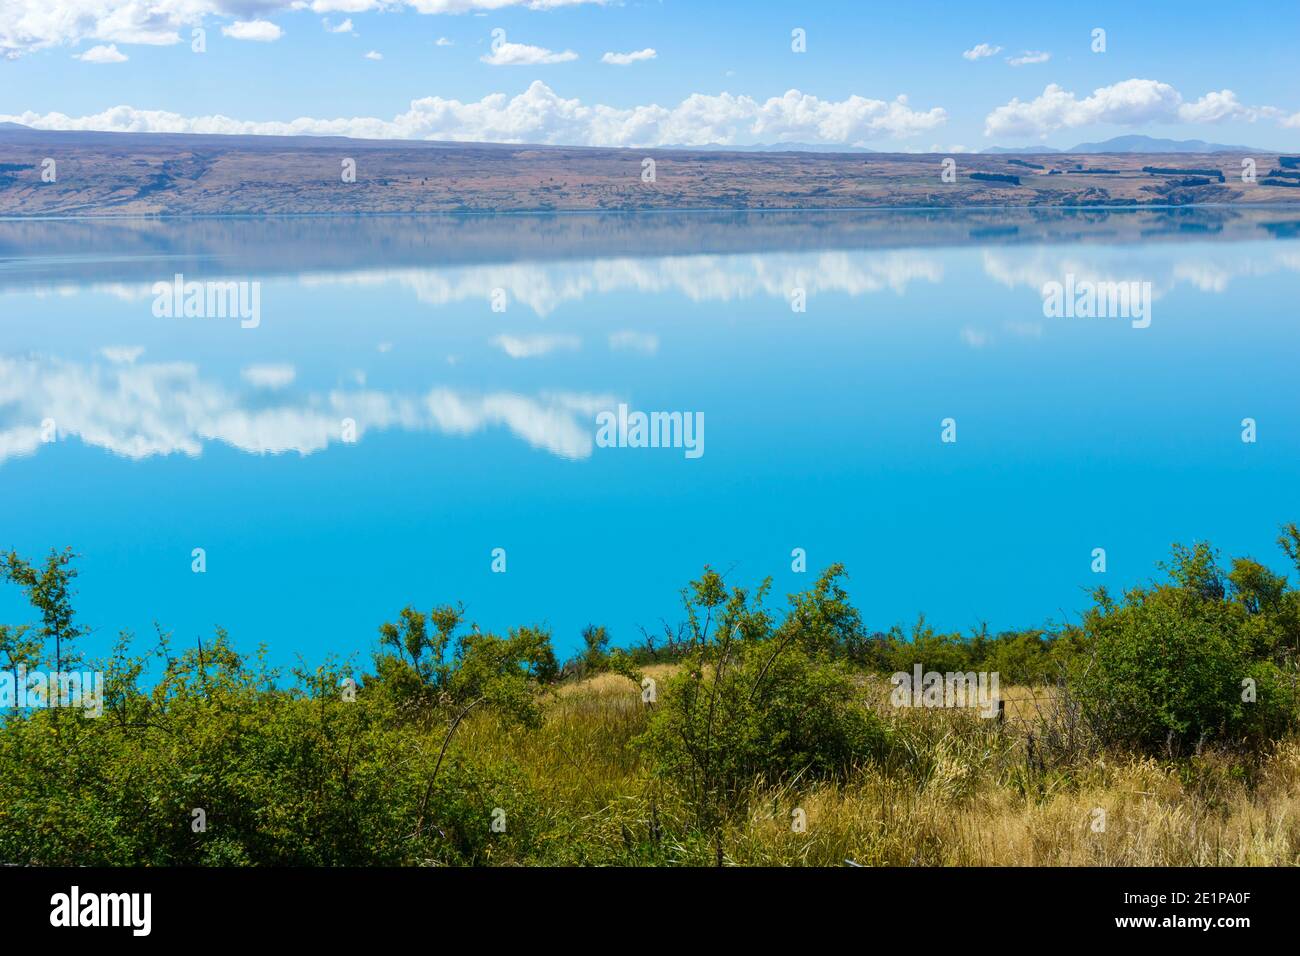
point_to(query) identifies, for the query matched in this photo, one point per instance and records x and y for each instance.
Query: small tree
(49, 591)
(595, 648)
(758, 701)
(484, 671)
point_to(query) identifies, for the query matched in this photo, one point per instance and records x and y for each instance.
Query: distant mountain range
(1134, 144)
(1117, 144)
(779, 148)
(16, 134)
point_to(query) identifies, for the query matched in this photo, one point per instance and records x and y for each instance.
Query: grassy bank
(961, 792)
(1159, 731)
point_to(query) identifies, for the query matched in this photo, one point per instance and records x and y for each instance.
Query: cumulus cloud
(540, 115)
(623, 59)
(374, 55)
(525, 54)
(1205, 272)
(544, 288)
(29, 25)
(144, 410)
(1042, 266)
(535, 346)
(344, 27)
(1215, 107)
(260, 31)
(102, 54)
(443, 41)
(1131, 102)
(1028, 57)
(981, 50)
(470, 6)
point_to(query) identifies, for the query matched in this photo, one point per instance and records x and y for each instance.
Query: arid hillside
(145, 174)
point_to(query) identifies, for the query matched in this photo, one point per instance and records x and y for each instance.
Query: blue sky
(720, 72)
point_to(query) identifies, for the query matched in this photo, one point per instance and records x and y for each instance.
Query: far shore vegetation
(1160, 729)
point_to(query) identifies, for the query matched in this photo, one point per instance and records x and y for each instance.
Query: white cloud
(524, 54)
(629, 341)
(122, 354)
(981, 50)
(29, 25)
(269, 376)
(1028, 57)
(1206, 272)
(102, 54)
(1045, 265)
(540, 115)
(443, 41)
(344, 27)
(139, 411)
(1215, 107)
(535, 346)
(623, 59)
(260, 31)
(469, 6)
(1131, 102)
(374, 55)
(700, 278)
(343, 6)
(974, 338)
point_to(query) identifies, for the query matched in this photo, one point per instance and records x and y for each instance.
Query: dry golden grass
(964, 794)
(1152, 818)
(614, 688)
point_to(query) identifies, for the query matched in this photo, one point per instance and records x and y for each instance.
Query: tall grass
(954, 790)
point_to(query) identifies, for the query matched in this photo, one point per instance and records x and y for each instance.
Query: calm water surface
(475, 428)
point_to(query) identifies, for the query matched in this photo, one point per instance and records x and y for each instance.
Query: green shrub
(758, 702)
(1171, 667)
(774, 718)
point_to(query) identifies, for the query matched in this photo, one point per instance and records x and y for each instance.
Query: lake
(416, 393)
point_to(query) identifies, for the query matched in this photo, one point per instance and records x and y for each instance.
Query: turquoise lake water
(476, 428)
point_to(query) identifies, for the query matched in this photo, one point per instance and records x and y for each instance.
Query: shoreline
(657, 210)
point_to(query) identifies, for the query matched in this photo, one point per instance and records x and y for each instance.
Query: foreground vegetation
(1160, 730)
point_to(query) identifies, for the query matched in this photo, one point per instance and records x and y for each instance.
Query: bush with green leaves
(214, 760)
(757, 701)
(300, 775)
(1200, 658)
